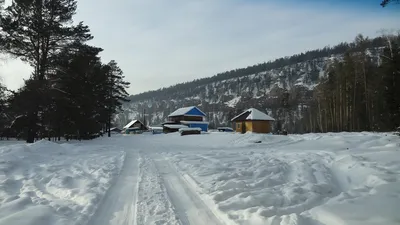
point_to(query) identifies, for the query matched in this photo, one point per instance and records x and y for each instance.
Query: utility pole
(144, 117)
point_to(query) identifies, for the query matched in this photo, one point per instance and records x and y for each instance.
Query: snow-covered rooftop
(155, 128)
(184, 111)
(130, 124)
(190, 129)
(254, 114)
(175, 126)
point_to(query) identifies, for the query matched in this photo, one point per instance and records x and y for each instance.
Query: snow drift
(47, 183)
(332, 179)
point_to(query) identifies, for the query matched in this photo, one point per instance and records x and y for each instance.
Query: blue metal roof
(190, 111)
(195, 112)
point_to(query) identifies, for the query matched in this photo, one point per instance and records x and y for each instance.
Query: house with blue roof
(186, 117)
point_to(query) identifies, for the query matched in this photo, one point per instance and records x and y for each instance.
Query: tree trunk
(31, 134)
(366, 98)
(109, 126)
(354, 100)
(320, 117)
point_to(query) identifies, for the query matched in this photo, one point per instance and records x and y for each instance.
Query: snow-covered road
(187, 203)
(119, 204)
(217, 178)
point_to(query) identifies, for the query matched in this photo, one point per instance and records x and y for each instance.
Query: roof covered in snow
(131, 124)
(252, 114)
(190, 129)
(192, 111)
(175, 126)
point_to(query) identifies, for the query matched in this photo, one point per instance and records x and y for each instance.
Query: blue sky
(159, 43)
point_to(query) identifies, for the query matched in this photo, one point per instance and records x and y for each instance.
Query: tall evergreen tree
(115, 89)
(36, 31)
(78, 85)
(391, 79)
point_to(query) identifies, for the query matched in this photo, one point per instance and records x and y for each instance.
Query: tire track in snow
(118, 207)
(190, 209)
(154, 205)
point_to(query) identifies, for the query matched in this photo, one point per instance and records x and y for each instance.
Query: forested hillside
(348, 87)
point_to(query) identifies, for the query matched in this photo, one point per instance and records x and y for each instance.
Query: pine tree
(36, 31)
(391, 79)
(3, 117)
(387, 2)
(78, 81)
(115, 89)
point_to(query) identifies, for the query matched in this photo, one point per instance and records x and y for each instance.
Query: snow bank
(47, 183)
(332, 179)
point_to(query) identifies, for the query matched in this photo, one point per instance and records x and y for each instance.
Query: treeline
(357, 94)
(70, 93)
(304, 97)
(262, 67)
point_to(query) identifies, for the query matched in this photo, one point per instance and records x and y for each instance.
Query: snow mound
(46, 146)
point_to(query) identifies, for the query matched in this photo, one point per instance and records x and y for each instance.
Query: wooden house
(135, 126)
(186, 117)
(252, 120)
(115, 130)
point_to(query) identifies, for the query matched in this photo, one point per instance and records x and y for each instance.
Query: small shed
(169, 128)
(156, 129)
(252, 120)
(135, 126)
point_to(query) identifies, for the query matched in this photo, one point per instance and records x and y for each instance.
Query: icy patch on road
(48, 183)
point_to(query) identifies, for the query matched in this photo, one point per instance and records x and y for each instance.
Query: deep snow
(216, 178)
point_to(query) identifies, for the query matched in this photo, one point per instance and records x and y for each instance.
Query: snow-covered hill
(222, 99)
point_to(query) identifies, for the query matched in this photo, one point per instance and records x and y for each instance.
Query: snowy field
(216, 178)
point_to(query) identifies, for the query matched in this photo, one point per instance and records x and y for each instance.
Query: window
(238, 125)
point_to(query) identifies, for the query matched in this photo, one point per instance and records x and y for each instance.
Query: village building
(135, 126)
(156, 129)
(187, 117)
(115, 130)
(253, 120)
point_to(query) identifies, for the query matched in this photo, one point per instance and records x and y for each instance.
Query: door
(243, 128)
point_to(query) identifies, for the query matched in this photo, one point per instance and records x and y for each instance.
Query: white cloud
(159, 43)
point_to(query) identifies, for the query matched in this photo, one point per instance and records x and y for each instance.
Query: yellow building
(252, 120)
